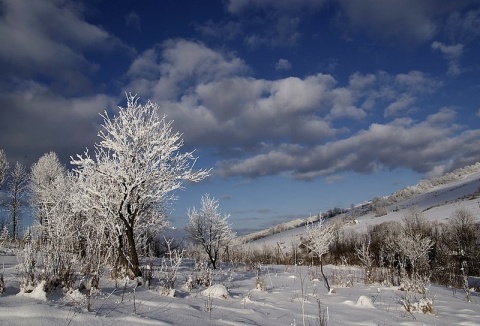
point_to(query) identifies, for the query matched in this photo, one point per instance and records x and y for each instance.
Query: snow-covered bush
(202, 275)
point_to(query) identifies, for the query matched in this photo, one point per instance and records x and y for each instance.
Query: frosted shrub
(169, 269)
(202, 274)
(27, 267)
(415, 302)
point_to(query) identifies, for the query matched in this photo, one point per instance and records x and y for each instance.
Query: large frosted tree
(134, 169)
(209, 228)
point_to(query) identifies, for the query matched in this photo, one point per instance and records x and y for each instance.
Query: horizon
(298, 106)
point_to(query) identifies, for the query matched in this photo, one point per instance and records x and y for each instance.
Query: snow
(38, 292)
(216, 291)
(289, 295)
(286, 290)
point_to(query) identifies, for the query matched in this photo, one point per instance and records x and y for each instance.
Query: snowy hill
(437, 198)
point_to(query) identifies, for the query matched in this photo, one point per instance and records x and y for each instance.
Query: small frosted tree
(365, 255)
(209, 228)
(3, 166)
(136, 166)
(17, 186)
(319, 237)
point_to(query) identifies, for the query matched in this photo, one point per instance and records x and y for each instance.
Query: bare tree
(319, 237)
(17, 186)
(136, 165)
(209, 228)
(3, 166)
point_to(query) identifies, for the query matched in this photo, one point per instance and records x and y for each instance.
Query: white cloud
(158, 73)
(420, 147)
(283, 64)
(452, 53)
(444, 116)
(291, 125)
(399, 106)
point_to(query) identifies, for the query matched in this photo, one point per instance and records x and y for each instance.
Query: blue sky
(298, 106)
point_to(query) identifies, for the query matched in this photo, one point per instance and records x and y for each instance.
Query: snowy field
(290, 296)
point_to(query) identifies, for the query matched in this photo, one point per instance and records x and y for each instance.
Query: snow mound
(216, 291)
(38, 292)
(76, 295)
(365, 302)
(362, 302)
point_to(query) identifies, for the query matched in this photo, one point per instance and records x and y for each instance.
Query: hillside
(437, 198)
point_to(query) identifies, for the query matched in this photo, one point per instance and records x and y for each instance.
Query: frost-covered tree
(3, 166)
(209, 228)
(462, 239)
(365, 255)
(135, 168)
(319, 237)
(5, 235)
(17, 186)
(46, 176)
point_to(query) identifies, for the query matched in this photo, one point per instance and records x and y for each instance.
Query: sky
(297, 106)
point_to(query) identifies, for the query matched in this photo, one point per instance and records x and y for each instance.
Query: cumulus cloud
(214, 99)
(399, 106)
(419, 146)
(452, 53)
(49, 38)
(294, 125)
(161, 70)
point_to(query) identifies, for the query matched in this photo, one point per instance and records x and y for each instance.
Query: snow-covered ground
(280, 302)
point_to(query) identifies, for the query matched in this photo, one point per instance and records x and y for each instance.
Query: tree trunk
(213, 260)
(134, 262)
(324, 276)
